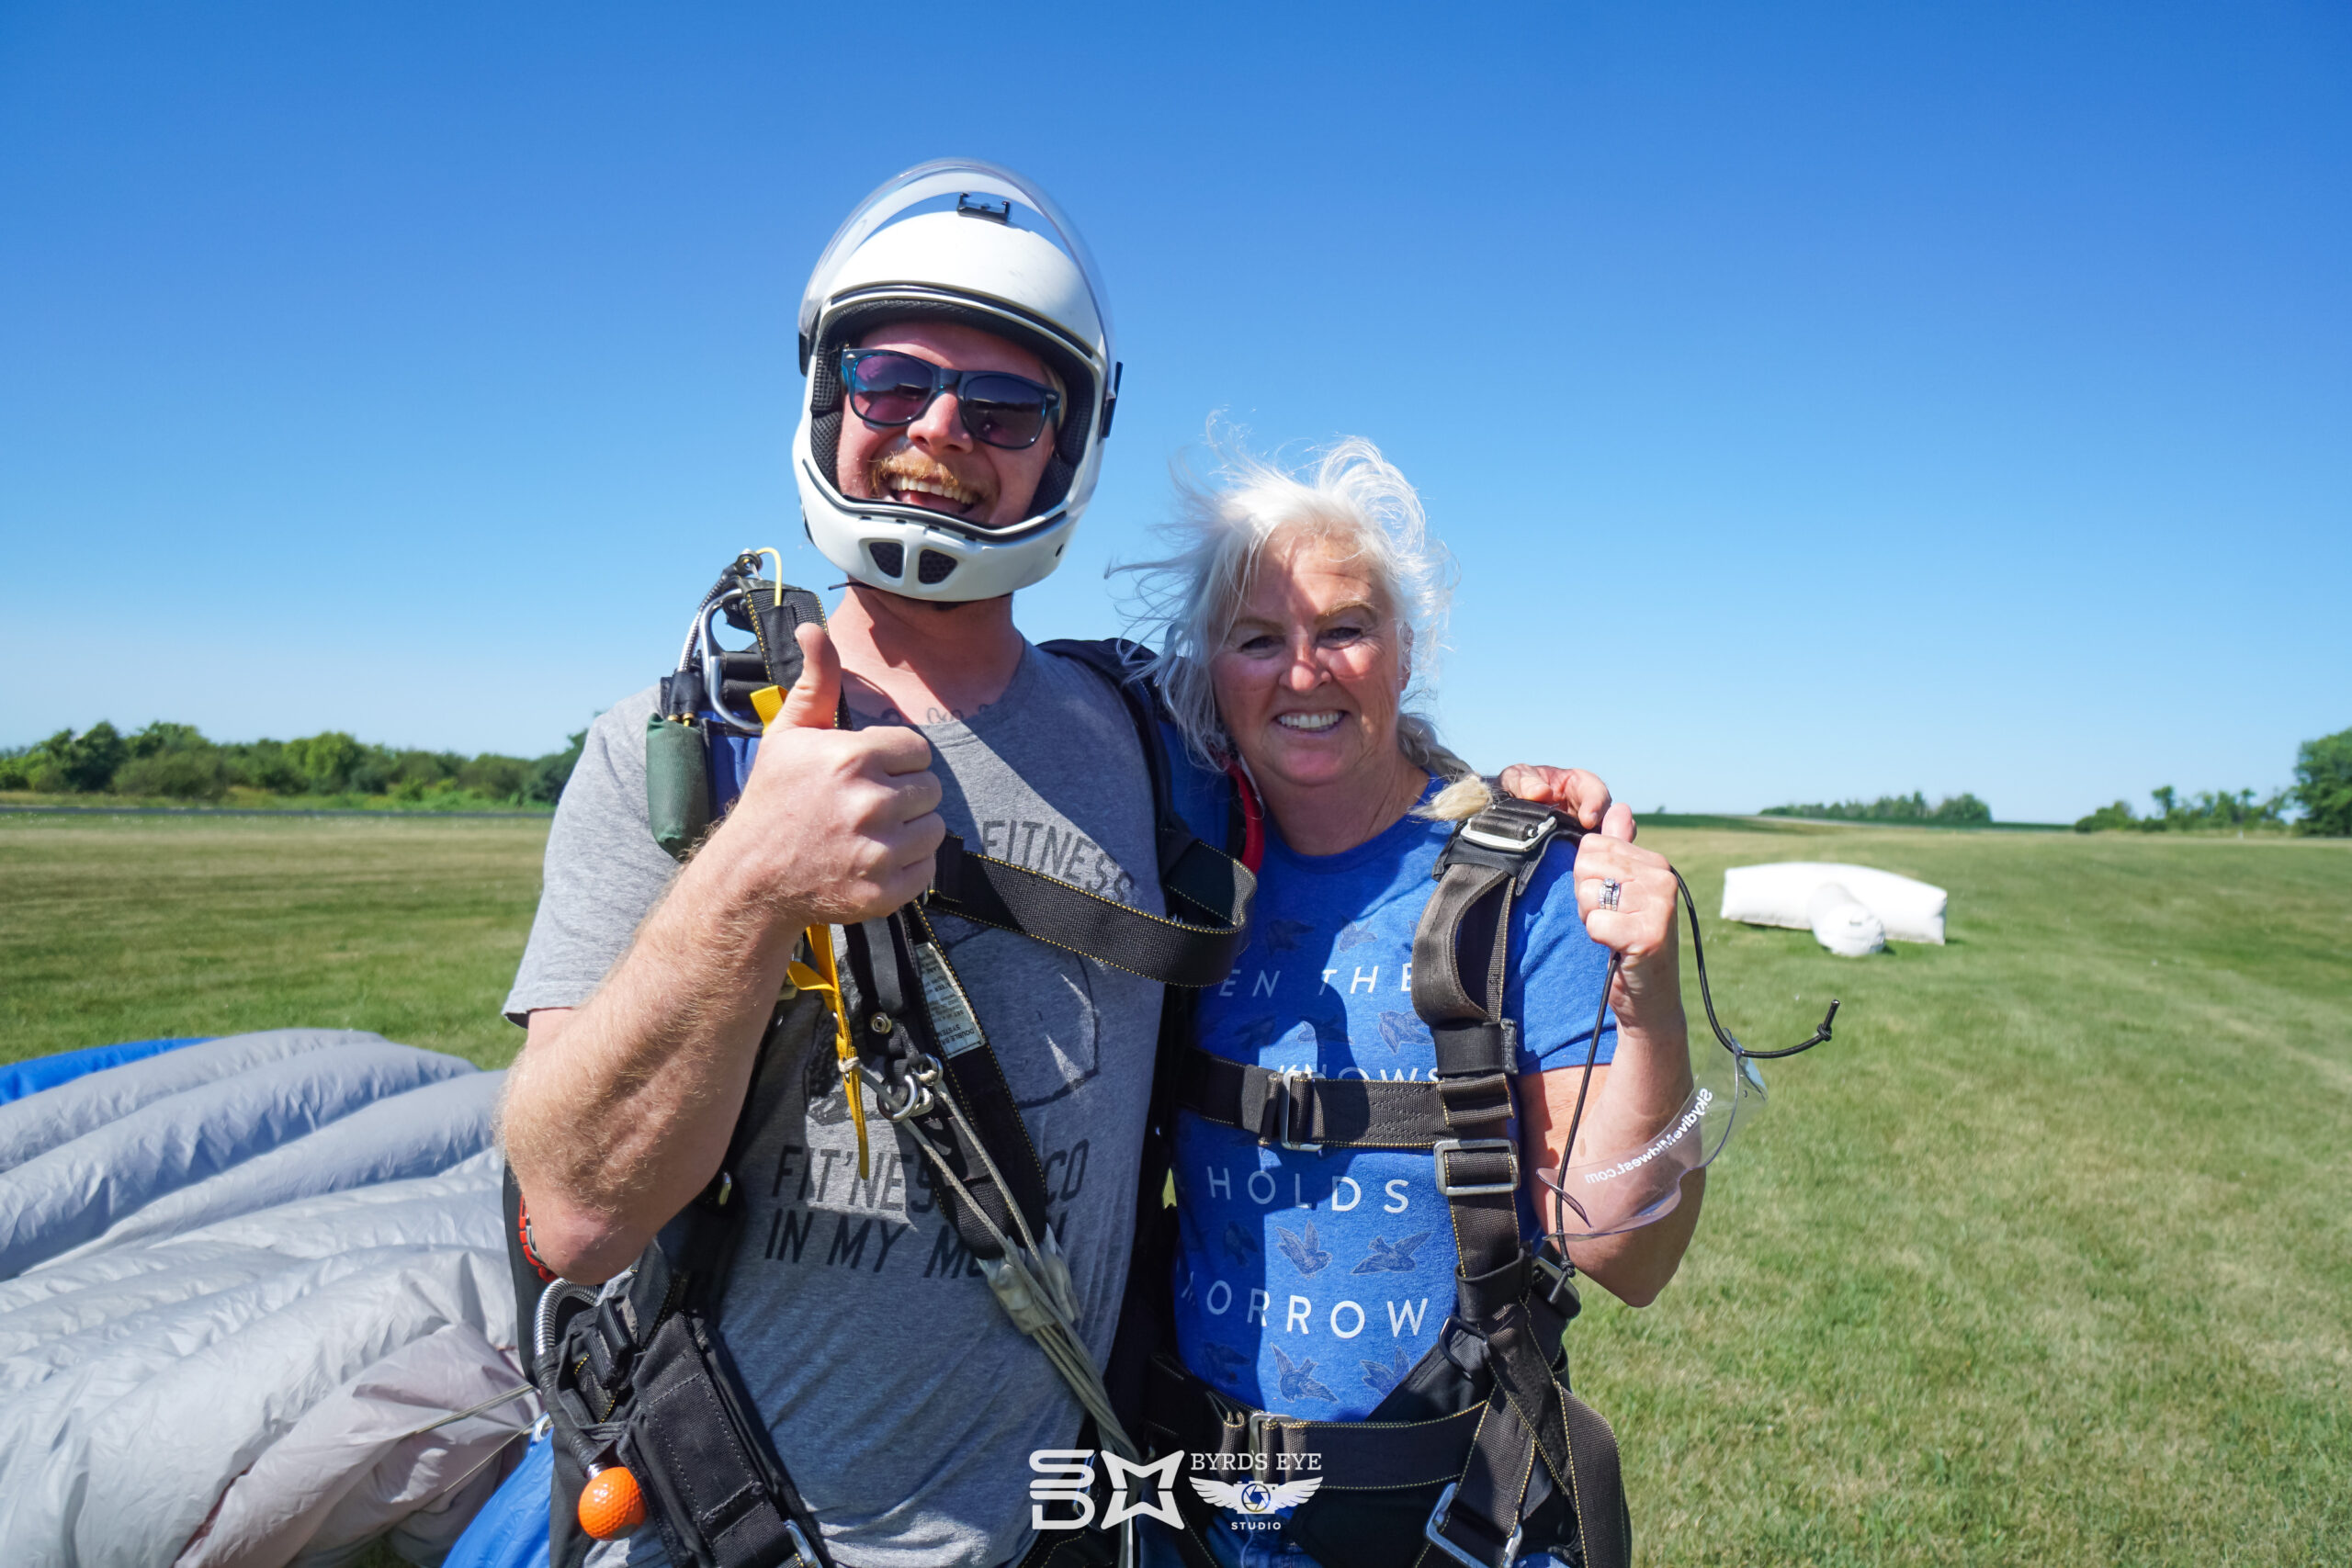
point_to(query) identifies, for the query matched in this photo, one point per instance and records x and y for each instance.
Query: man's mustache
(909, 468)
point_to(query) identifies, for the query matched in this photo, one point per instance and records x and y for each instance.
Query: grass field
(122, 927)
(2047, 1258)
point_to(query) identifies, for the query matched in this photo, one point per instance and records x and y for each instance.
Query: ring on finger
(1613, 893)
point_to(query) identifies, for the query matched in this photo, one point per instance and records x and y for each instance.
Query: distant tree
(551, 773)
(2108, 816)
(329, 762)
(195, 772)
(1963, 810)
(2324, 784)
(67, 763)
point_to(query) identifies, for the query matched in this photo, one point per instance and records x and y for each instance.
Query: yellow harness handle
(824, 978)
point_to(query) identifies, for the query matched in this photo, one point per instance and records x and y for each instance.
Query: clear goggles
(1629, 1187)
(1626, 1189)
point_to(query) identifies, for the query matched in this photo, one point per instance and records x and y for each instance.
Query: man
(961, 383)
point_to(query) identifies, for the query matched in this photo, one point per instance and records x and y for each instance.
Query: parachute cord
(1584, 1087)
(987, 1163)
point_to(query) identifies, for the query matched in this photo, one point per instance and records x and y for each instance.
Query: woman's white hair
(1347, 496)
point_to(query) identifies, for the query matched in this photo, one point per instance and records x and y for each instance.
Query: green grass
(2046, 1258)
(122, 927)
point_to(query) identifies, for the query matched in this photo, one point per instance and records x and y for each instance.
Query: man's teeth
(1310, 721)
(947, 488)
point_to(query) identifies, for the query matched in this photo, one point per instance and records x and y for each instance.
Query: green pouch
(677, 784)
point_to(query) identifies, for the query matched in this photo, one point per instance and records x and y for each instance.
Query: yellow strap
(768, 701)
(824, 978)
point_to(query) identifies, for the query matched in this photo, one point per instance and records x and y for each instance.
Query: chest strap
(1195, 944)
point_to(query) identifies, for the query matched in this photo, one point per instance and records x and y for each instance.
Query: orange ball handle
(611, 1503)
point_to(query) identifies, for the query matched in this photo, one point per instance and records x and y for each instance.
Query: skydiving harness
(1481, 1451)
(636, 1376)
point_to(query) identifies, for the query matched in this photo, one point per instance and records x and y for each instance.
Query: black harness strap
(1297, 1110)
(1159, 947)
(886, 964)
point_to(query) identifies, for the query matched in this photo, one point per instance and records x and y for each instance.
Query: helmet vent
(890, 561)
(933, 566)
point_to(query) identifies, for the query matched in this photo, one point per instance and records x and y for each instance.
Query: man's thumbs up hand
(815, 698)
(836, 825)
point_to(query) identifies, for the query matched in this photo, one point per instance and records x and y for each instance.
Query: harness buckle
(1434, 1532)
(1561, 1294)
(1445, 1146)
(1288, 1100)
(1512, 826)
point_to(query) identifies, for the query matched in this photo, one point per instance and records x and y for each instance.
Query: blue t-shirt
(1307, 1283)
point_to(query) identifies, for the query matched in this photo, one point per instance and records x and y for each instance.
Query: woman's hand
(1572, 791)
(1637, 921)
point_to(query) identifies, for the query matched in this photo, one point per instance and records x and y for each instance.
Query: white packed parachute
(1851, 909)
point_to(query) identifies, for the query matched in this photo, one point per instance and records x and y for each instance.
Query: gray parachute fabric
(240, 1283)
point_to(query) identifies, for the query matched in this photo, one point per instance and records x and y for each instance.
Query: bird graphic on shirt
(1257, 1034)
(1299, 1381)
(1303, 1253)
(1398, 1030)
(1382, 1377)
(1385, 1259)
(1223, 1362)
(1239, 1245)
(1285, 936)
(1355, 936)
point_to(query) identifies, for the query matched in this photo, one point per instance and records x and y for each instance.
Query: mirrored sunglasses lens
(1003, 411)
(890, 389)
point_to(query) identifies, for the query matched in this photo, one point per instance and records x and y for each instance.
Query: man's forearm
(616, 1115)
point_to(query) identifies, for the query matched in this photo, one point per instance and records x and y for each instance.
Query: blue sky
(1822, 400)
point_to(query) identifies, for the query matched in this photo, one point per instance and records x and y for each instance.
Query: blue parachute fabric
(21, 1078)
(510, 1532)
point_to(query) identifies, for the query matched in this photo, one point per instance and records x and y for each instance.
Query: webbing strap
(1294, 1109)
(934, 1022)
(1460, 967)
(1183, 1411)
(1177, 952)
(1481, 1522)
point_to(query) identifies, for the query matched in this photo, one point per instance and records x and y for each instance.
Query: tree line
(1963, 810)
(176, 761)
(2319, 802)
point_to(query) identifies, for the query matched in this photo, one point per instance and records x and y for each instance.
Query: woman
(1312, 1283)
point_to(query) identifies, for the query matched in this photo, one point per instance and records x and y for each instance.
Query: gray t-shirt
(902, 1400)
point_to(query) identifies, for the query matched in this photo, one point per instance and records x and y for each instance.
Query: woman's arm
(1648, 1079)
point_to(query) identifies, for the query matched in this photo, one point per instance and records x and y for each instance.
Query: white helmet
(974, 265)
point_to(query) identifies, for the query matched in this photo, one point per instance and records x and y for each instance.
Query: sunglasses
(999, 409)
